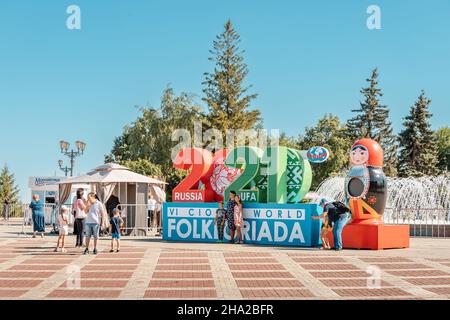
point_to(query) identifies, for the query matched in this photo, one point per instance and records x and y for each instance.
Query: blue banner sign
(264, 224)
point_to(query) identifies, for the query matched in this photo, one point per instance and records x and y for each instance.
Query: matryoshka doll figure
(366, 183)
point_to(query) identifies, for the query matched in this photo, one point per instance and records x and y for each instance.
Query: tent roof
(112, 173)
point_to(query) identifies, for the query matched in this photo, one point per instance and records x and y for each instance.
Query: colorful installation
(271, 183)
(366, 190)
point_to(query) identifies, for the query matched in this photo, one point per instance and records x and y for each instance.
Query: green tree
(372, 121)
(143, 166)
(8, 188)
(442, 136)
(331, 134)
(146, 144)
(225, 91)
(418, 146)
(286, 141)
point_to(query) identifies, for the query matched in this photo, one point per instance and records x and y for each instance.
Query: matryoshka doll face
(359, 156)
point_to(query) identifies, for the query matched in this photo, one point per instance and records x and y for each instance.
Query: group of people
(89, 217)
(232, 216)
(89, 214)
(335, 217)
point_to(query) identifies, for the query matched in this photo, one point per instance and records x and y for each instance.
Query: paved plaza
(153, 269)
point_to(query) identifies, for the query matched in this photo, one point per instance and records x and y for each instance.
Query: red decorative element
(220, 176)
(199, 161)
(376, 153)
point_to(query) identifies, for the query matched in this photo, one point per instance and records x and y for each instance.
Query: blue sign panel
(264, 224)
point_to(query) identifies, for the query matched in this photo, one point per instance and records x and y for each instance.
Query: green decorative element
(294, 175)
(274, 162)
(307, 176)
(277, 175)
(247, 158)
(299, 176)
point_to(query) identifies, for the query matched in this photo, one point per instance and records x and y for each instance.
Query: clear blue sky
(305, 57)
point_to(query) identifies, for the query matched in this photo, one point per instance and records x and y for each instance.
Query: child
(326, 227)
(219, 221)
(115, 225)
(63, 221)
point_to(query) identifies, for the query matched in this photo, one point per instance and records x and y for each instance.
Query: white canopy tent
(131, 188)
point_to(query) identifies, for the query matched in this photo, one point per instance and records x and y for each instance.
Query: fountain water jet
(419, 199)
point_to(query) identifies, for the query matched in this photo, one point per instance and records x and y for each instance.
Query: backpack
(339, 209)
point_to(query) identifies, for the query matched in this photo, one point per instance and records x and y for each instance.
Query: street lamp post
(72, 154)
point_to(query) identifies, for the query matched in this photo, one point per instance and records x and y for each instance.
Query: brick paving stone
(19, 283)
(276, 294)
(106, 275)
(251, 260)
(385, 260)
(340, 274)
(108, 256)
(182, 275)
(336, 267)
(269, 284)
(181, 267)
(319, 260)
(84, 294)
(98, 284)
(184, 255)
(118, 262)
(439, 290)
(54, 256)
(12, 293)
(182, 284)
(109, 268)
(246, 254)
(183, 261)
(387, 292)
(25, 275)
(264, 275)
(402, 266)
(256, 267)
(24, 267)
(429, 281)
(350, 283)
(418, 273)
(180, 294)
(63, 262)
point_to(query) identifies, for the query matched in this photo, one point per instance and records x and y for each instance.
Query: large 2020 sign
(273, 175)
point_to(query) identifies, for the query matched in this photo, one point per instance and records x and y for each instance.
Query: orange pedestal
(376, 236)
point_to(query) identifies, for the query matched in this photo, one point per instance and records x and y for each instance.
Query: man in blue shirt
(339, 219)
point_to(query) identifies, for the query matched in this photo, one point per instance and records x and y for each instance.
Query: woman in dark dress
(37, 208)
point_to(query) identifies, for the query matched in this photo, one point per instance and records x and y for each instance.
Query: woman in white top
(79, 208)
(238, 218)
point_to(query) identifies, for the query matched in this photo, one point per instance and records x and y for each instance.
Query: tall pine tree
(225, 90)
(8, 188)
(372, 121)
(418, 146)
(443, 144)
